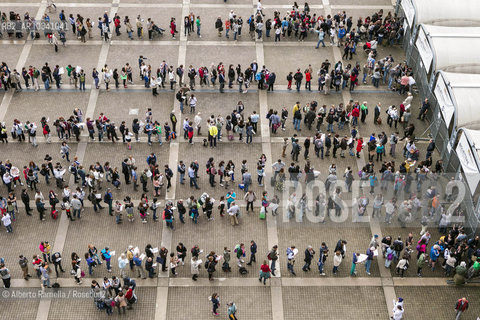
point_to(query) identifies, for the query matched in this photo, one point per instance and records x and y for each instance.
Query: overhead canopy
(459, 94)
(449, 48)
(460, 13)
(468, 152)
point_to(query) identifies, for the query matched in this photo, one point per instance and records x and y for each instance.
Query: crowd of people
(340, 29)
(296, 23)
(407, 190)
(398, 77)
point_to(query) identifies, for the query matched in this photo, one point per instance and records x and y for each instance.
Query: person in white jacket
(198, 122)
(194, 267)
(397, 312)
(337, 260)
(122, 264)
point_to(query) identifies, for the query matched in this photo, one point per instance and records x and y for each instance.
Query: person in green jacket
(198, 23)
(460, 273)
(420, 264)
(363, 111)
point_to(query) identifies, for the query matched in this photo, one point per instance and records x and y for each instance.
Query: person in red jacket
(308, 80)
(130, 297)
(173, 28)
(190, 132)
(355, 115)
(359, 146)
(460, 307)
(264, 272)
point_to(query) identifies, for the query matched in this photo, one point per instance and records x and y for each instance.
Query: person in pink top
(421, 247)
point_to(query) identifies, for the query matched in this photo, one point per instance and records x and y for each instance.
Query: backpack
(243, 270)
(269, 257)
(398, 246)
(106, 198)
(179, 96)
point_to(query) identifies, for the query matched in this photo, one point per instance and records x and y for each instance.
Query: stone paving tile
(306, 233)
(15, 307)
(367, 2)
(59, 5)
(289, 3)
(216, 2)
(111, 153)
(126, 101)
(288, 62)
(85, 308)
(27, 234)
(324, 303)
(87, 58)
(189, 153)
(10, 56)
(221, 234)
(441, 303)
(54, 105)
(150, 1)
(100, 229)
(252, 303)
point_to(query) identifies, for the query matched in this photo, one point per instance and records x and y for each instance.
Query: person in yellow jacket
(213, 132)
(296, 107)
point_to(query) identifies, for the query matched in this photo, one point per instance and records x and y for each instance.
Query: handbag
(262, 213)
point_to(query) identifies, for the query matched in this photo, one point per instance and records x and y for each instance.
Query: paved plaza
(308, 295)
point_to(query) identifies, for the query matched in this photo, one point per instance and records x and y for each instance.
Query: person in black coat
(339, 247)
(309, 253)
(26, 201)
(376, 113)
(253, 251)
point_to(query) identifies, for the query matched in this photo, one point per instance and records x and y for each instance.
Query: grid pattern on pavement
(252, 302)
(438, 302)
(334, 303)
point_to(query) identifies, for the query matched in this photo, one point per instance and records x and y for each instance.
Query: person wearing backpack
(298, 77)
(107, 257)
(397, 248)
(273, 257)
(5, 274)
(232, 309)
(108, 199)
